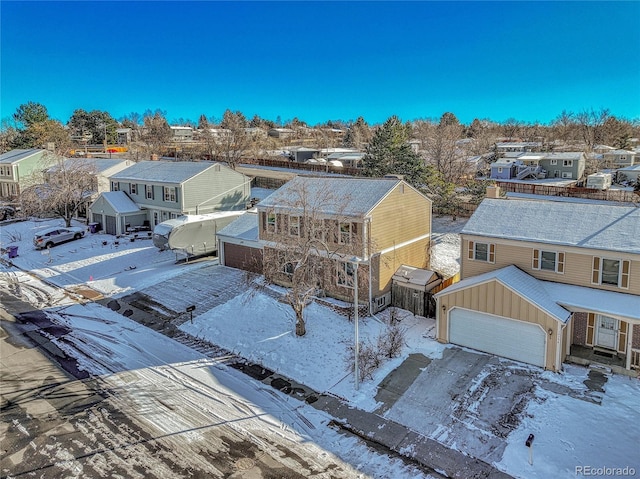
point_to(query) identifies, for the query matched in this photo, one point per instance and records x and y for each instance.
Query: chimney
(154, 157)
(493, 192)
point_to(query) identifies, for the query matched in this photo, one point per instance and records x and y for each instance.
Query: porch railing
(635, 358)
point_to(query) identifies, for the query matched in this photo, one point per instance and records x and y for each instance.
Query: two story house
(543, 281)
(167, 189)
(17, 169)
(384, 223)
(566, 165)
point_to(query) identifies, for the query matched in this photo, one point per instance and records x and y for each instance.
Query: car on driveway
(56, 235)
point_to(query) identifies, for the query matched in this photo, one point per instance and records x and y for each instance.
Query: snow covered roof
(245, 227)
(120, 202)
(14, 156)
(523, 284)
(584, 225)
(163, 171)
(563, 199)
(97, 165)
(331, 195)
(415, 276)
(630, 168)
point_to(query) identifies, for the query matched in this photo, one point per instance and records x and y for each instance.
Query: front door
(607, 332)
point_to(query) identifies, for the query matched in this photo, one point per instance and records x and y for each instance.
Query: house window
(623, 158)
(500, 169)
(554, 162)
(148, 192)
(567, 163)
(294, 225)
(613, 272)
(482, 251)
(345, 274)
(317, 230)
(345, 233)
(548, 261)
(288, 268)
(115, 186)
(567, 174)
(173, 215)
(133, 188)
(271, 222)
(169, 193)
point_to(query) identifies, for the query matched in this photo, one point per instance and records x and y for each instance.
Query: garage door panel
(509, 338)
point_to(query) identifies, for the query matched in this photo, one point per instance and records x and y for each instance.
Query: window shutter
(622, 337)
(263, 217)
(470, 249)
(591, 326)
(560, 263)
(536, 259)
(624, 277)
(492, 253)
(595, 274)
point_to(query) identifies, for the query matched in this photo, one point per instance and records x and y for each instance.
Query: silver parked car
(56, 235)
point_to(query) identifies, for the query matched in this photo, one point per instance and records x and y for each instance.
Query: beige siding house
(386, 223)
(543, 282)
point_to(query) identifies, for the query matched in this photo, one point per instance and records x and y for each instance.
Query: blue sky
(322, 61)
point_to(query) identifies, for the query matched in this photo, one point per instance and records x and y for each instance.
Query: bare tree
(310, 243)
(235, 142)
(61, 190)
(156, 132)
(442, 151)
(590, 124)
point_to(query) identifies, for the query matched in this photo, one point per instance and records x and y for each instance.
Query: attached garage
(505, 312)
(239, 244)
(114, 210)
(505, 337)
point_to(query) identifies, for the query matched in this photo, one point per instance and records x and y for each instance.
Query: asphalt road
(58, 420)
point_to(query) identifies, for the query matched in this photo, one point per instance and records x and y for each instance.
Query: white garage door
(496, 335)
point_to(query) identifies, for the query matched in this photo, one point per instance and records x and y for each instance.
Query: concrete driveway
(466, 400)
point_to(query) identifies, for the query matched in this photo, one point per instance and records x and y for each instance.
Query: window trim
(170, 194)
(567, 163)
(472, 251)
(148, 192)
(346, 270)
(553, 162)
(624, 272)
(345, 233)
(558, 262)
(115, 186)
(296, 225)
(271, 220)
(133, 188)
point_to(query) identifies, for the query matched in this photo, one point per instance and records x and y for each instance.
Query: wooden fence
(570, 191)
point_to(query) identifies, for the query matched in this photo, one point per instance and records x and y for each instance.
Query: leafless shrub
(391, 341)
(14, 236)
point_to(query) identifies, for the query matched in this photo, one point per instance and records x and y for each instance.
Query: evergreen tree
(389, 152)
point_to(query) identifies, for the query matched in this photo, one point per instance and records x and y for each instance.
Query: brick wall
(580, 329)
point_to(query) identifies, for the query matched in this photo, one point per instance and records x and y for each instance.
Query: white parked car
(56, 235)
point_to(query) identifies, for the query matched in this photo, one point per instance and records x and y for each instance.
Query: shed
(114, 210)
(410, 290)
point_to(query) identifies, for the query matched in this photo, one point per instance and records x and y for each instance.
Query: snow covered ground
(570, 432)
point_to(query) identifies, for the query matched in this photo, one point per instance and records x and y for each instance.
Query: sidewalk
(392, 436)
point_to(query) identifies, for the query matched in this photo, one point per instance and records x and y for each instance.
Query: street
(88, 393)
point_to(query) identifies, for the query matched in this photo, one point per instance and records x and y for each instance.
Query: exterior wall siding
(415, 254)
(400, 217)
(202, 190)
(494, 298)
(577, 263)
(158, 196)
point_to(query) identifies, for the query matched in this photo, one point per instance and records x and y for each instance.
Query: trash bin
(13, 251)
(94, 227)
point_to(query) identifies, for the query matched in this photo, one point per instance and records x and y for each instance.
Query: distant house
(567, 165)
(17, 170)
(181, 133)
(300, 154)
(620, 158)
(281, 132)
(517, 146)
(101, 168)
(167, 189)
(504, 169)
(630, 174)
(543, 281)
(385, 222)
(123, 136)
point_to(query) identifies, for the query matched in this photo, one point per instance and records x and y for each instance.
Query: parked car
(56, 235)
(6, 212)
